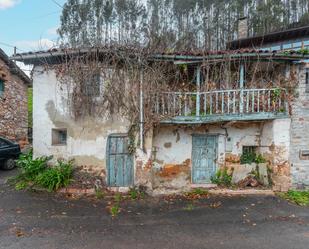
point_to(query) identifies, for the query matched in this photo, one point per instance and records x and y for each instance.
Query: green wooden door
(204, 158)
(119, 161)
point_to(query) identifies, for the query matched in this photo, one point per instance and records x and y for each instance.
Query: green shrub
(222, 178)
(30, 167)
(260, 159)
(251, 157)
(247, 158)
(37, 172)
(55, 177)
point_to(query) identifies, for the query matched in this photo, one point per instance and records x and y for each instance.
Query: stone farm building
(233, 102)
(14, 84)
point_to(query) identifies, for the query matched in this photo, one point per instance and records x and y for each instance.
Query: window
(1, 87)
(59, 136)
(249, 149)
(307, 80)
(93, 85)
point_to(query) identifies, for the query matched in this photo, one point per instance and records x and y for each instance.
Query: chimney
(242, 28)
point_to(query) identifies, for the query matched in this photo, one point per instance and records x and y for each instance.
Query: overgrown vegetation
(251, 157)
(298, 197)
(37, 172)
(222, 178)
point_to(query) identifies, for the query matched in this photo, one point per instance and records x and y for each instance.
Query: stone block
(263, 173)
(241, 172)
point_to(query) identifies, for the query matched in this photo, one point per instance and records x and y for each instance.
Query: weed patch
(99, 194)
(135, 194)
(222, 178)
(300, 198)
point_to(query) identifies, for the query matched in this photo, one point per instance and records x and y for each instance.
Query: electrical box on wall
(229, 144)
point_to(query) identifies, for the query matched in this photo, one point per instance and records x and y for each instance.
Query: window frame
(2, 87)
(56, 139)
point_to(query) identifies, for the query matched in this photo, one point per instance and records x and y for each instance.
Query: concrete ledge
(77, 191)
(209, 185)
(241, 192)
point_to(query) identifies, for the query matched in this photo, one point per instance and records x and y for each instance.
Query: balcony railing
(222, 104)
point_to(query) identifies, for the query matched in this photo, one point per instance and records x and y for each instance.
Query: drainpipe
(198, 86)
(141, 107)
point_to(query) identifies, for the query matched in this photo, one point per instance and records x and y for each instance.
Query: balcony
(221, 105)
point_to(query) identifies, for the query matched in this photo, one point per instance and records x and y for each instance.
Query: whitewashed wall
(87, 139)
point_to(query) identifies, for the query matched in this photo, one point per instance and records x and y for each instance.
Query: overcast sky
(28, 24)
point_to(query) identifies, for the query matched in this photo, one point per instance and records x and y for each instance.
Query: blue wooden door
(119, 162)
(204, 158)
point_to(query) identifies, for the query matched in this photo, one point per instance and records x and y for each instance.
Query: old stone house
(295, 39)
(235, 101)
(14, 84)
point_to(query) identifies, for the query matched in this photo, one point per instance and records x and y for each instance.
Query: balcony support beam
(241, 86)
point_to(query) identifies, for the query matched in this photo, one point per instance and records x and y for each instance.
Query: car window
(3, 143)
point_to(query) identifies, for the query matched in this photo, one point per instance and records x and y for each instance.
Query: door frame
(108, 160)
(216, 135)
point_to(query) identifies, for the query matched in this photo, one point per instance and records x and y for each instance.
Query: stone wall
(13, 106)
(299, 133)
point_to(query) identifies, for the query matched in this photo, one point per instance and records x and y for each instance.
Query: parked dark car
(9, 152)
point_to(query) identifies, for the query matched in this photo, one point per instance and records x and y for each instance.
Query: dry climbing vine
(121, 72)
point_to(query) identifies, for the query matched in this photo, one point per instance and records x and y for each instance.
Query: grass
(118, 197)
(197, 193)
(99, 193)
(300, 198)
(189, 207)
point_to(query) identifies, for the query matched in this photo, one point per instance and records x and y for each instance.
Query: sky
(29, 24)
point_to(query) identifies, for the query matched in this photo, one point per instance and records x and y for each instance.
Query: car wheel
(9, 164)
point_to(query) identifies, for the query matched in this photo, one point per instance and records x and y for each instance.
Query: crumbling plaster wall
(172, 148)
(13, 106)
(299, 132)
(86, 139)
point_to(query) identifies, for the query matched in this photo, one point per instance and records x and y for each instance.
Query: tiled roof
(273, 37)
(56, 55)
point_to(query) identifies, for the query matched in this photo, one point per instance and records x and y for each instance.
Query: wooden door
(119, 161)
(204, 158)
